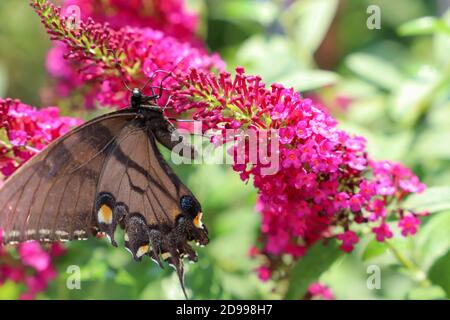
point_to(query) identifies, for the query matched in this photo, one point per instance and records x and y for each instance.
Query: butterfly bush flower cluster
(169, 16)
(24, 131)
(318, 290)
(141, 36)
(29, 265)
(327, 186)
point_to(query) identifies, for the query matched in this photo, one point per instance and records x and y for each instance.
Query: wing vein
(151, 180)
(59, 206)
(110, 154)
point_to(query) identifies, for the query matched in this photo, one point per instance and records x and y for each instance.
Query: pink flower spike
(18, 138)
(320, 291)
(382, 232)
(33, 256)
(264, 273)
(349, 239)
(57, 249)
(409, 224)
(36, 283)
(253, 252)
(286, 135)
(27, 296)
(356, 202)
(302, 130)
(291, 159)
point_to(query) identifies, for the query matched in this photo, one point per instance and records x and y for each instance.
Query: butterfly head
(136, 92)
(137, 98)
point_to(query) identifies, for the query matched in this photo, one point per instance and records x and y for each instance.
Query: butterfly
(106, 173)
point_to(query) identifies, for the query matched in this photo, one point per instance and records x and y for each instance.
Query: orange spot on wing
(142, 250)
(105, 214)
(198, 220)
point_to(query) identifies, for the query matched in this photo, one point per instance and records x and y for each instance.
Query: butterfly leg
(187, 251)
(167, 135)
(191, 232)
(177, 263)
(180, 237)
(172, 256)
(156, 241)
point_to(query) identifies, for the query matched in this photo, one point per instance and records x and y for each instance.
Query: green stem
(417, 274)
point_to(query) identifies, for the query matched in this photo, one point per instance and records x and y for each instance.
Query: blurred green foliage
(395, 84)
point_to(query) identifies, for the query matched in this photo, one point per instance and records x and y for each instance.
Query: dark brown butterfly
(105, 173)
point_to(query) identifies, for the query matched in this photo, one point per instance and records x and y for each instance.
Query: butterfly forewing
(51, 196)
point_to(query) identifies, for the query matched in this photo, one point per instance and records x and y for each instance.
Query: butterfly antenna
(182, 120)
(167, 103)
(126, 85)
(169, 73)
(155, 73)
(123, 77)
(152, 77)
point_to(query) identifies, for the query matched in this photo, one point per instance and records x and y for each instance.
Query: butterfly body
(103, 174)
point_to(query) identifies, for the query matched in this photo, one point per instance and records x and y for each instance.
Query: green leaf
(257, 55)
(306, 80)
(434, 199)
(308, 269)
(413, 98)
(4, 137)
(309, 21)
(263, 12)
(427, 293)
(423, 26)
(441, 44)
(374, 249)
(433, 240)
(3, 80)
(440, 273)
(375, 69)
(433, 144)
(10, 290)
(152, 291)
(125, 278)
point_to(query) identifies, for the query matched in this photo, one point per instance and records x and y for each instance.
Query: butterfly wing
(104, 173)
(51, 197)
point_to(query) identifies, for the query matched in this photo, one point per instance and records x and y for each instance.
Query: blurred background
(390, 84)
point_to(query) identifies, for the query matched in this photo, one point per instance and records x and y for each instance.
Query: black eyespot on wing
(108, 214)
(189, 206)
(104, 198)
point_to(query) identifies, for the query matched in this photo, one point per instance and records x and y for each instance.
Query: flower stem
(416, 273)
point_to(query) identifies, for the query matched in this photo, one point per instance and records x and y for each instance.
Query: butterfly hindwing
(136, 177)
